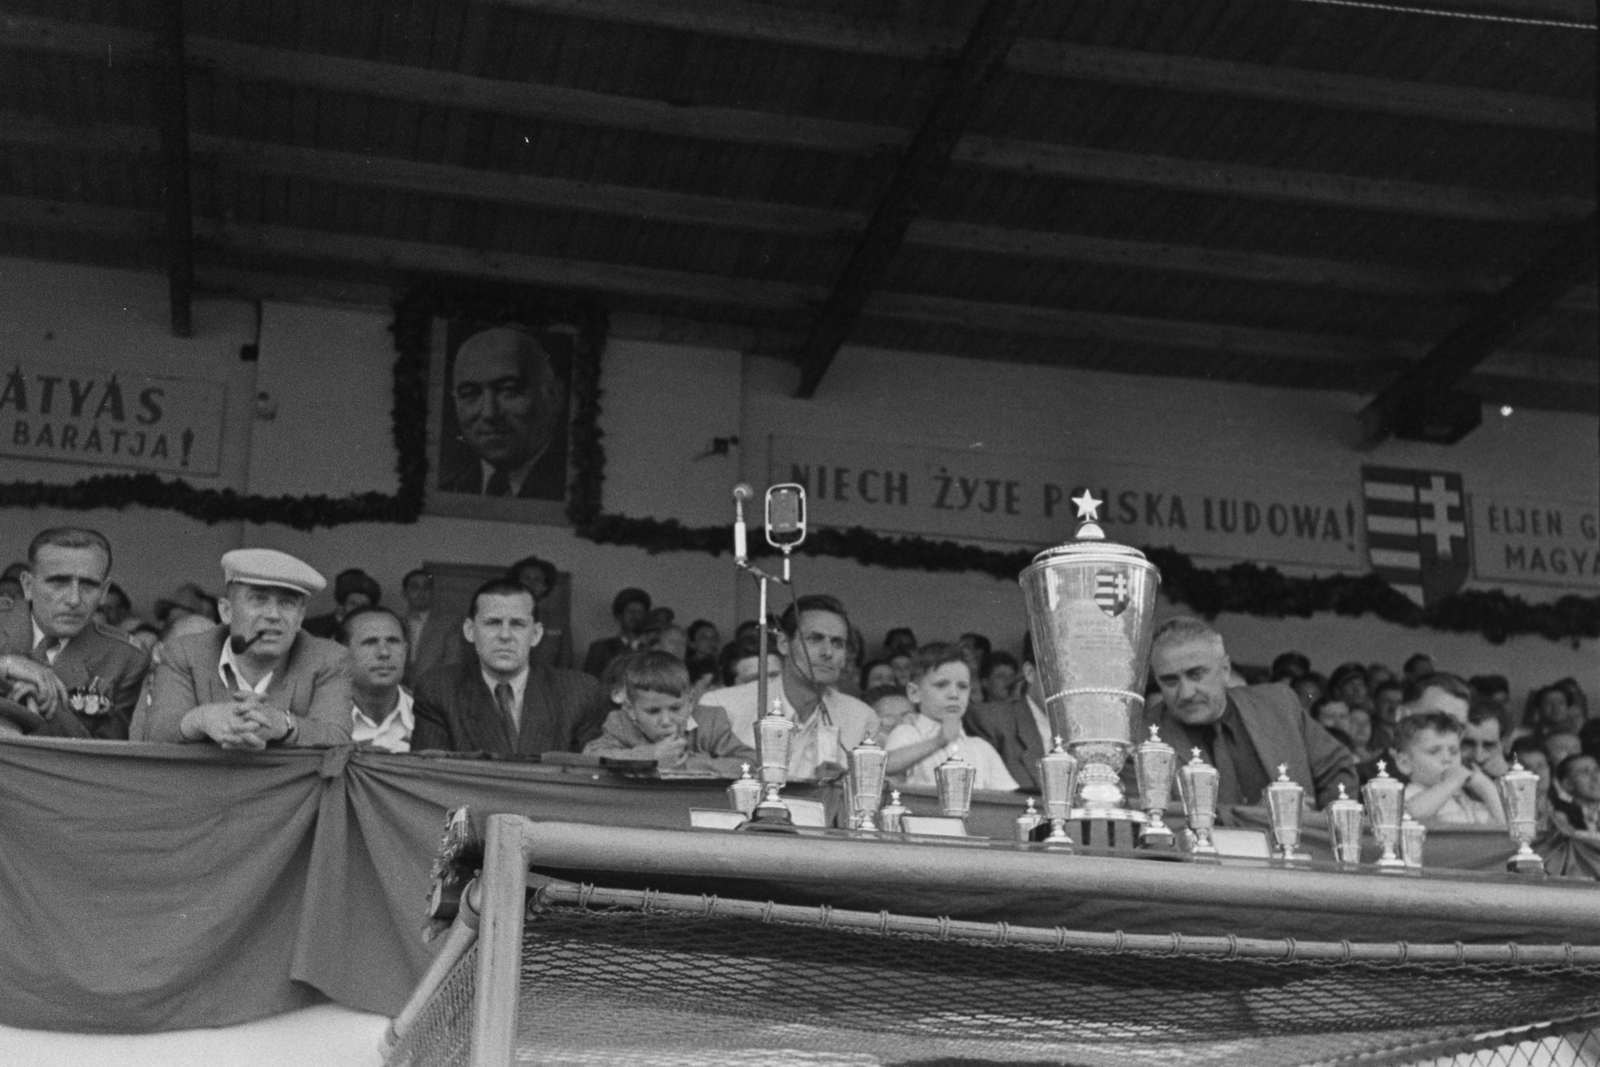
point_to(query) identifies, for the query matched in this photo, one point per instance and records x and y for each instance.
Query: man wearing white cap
(256, 680)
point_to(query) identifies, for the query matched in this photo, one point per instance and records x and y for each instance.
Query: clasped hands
(245, 722)
(31, 681)
(671, 752)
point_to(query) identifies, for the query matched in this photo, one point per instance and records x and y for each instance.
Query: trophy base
(1391, 865)
(1109, 828)
(772, 818)
(1161, 840)
(1529, 862)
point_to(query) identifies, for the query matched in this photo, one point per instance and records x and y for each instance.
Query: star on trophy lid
(1088, 514)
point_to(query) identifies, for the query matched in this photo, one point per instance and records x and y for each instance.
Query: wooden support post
(1452, 359)
(504, 899)
(919, 172)
(172, 107)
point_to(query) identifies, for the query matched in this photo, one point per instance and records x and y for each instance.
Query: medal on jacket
(89, 699)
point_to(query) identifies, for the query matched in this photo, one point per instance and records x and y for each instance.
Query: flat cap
(268, 566)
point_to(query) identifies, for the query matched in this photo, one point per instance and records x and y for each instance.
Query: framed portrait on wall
(501, 407)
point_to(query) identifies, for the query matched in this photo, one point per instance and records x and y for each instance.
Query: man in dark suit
(511, 408)
(84, 675)
(1018, 729)
(256, 680)
(497, 701)
(430, 636)
(352, 589)
(631, 608)
(1246, 733)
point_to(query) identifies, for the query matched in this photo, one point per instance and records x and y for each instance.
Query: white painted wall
(329, 371)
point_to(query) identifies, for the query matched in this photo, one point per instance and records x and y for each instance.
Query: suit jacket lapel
(538, 708)
(1273, 740)
(72, 662)
(485, 723)
(209, 688)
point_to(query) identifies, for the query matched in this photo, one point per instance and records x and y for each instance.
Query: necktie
(499, 484)
(47, 644)
(508, 707)
(1228, 791)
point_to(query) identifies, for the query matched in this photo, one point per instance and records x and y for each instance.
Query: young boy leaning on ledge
(658, 721)
(1442, 790)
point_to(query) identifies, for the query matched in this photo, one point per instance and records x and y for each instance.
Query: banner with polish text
(1019, 498)
(1425, 531)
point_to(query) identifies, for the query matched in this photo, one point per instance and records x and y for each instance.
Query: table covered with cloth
(157, 887)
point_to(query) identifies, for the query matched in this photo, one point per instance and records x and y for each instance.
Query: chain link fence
(625, 978)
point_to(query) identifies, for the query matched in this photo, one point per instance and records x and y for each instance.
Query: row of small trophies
(1399, 836)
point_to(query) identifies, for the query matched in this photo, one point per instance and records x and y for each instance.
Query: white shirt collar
(39, 635)
(228, 664)
(393, 734)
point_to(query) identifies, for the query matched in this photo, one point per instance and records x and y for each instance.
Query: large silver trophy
(1091, 607)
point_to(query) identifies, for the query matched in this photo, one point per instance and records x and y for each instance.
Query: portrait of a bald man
(511, 413)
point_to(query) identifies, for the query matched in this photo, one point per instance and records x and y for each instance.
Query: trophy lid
(1154, 742)
(1343, 802)
(1518, 772)
(1090, 539)
(1283, 783)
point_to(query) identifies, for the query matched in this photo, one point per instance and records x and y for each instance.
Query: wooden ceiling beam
(735, 125)
(814, 224)
(1569, 261)
(170, 93)
(1073, 325)
(265, 246)
(916, 179)
(1266, 183)
(696, 289)
(1092, 63)
(1376, 279)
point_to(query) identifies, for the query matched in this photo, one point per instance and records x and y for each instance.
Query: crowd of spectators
(247, 669)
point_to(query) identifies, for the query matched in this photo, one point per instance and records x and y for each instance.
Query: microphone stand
(770, 814)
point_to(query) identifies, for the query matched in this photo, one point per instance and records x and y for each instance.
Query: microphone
(786, 515)
(741, 546)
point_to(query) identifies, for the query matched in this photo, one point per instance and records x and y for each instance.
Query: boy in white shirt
(939, 688)
(1442, 790)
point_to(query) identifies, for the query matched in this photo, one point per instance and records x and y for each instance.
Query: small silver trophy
(955, 778)
(890, 814)
(1028, 822)
(1153, 762)
(1344, 822)
(1412, 837)
(1198, 783)
(1385, 798)
(1286, 801)
(1058, 780)
(1519, 792)
(745, 792)
(774, 736)
(868, 761)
